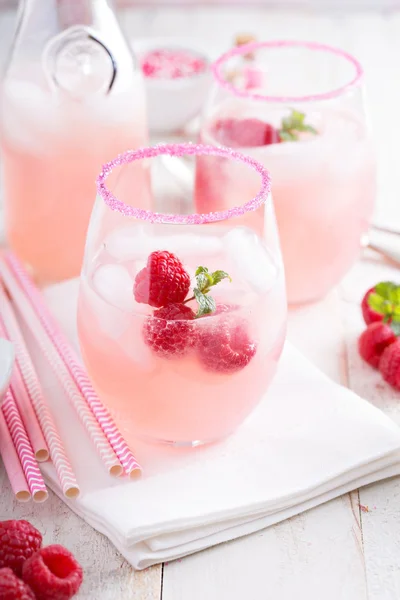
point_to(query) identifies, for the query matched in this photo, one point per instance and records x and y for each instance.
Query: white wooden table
(336, 551)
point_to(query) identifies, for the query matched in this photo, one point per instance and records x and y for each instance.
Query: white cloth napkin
(308, 441)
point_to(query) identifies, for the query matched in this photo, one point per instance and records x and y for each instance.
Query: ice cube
(250, 259)
(137, 242)
(128, 243)
(114, 284)
(187, 245)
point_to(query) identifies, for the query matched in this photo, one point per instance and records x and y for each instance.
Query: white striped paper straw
(121, 448)
(12, 465)
(24, 449)
(88, 420)
(27, 371)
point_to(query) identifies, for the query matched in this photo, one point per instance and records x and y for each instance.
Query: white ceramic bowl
(172, 103)
(6, 365)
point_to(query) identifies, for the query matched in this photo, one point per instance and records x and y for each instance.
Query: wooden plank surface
(318, 554)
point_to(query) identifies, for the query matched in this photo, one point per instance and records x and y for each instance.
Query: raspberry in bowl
(177, 79)
(181, 316)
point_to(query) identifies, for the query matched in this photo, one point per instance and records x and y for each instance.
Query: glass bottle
(72, 99)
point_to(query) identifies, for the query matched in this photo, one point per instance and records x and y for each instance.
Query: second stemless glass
(298, 108)
(166, 375)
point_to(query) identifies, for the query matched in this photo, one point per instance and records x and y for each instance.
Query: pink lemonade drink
(317, 149)
(181, 317)
(51, 154)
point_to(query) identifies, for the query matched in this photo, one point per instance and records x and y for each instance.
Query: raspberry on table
(389, 365)
(163, 281)
(170, 332)
(19, 540)
(12, 588)
(53, 573)
(226, 346)
(373, 341)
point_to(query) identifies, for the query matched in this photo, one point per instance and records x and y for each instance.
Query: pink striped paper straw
(122, 450)
(62, 373)
(12, 465)
(29, 418)
(34, 390)
(24, 449)
(25, 408)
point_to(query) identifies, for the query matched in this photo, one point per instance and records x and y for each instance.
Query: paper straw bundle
(28, 378)
(120, 447)
(23, 447)
(104, 435)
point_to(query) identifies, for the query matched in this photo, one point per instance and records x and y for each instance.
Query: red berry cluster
(30, 572)
(379, 344)
(172, 331)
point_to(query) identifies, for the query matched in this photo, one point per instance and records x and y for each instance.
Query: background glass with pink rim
(203, 390)
(298, 108)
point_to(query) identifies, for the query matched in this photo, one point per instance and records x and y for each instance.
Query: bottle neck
(82, 12)
(70, 43)
(61, 14)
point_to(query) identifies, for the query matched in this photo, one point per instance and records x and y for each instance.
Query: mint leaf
(206, 303)
(395, 326)
(385, 299)
(286, 136)
(388, 290)
(310, 129)
(379, 304)
(204, 281)
(293, 125)
(218, 276)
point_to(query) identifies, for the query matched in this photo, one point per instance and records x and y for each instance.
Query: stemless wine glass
(297, 108)
(181, 316)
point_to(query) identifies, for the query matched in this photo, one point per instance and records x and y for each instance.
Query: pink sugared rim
(180, 150)
(251, 47)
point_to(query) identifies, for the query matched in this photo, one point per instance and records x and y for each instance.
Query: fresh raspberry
(389, 365)
(53, 573)
(18, 541)
(245, 133)
(163, 281)
(373, 341)
(225, 347)
(170, 331)
(370, 315)
(12, 588)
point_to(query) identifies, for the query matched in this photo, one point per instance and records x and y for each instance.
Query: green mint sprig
(204, 282)
(293, 125)
(385, 300)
